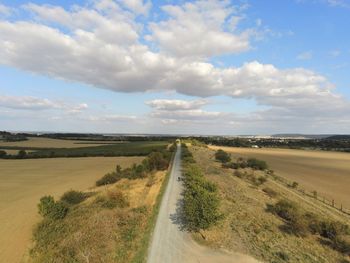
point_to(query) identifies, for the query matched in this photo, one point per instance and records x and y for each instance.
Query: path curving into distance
(170, 243)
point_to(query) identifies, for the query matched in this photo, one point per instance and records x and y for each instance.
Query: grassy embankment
(268, 220)
(111, 224)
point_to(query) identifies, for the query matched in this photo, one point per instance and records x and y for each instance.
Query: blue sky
(199, 67)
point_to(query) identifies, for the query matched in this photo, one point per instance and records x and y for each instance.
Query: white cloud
(165, 104)
(137, 6)
(102, 46)
(198, 29)
(34, 103)
(4, 10)
(305, 55)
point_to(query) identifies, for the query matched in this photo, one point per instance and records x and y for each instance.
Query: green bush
(201, 200)
(59, 211)
(222, 156)
(46, 205)
(49, 208)
(73, 197)
(200, 208)
(257, 164)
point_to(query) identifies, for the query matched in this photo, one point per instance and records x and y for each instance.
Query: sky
(175, 67)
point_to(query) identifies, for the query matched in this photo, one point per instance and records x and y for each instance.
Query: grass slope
(249, 228)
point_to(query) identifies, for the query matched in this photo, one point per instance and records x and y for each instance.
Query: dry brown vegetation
(249, 227)
(107, 227)
(23, 182)
(328, 173)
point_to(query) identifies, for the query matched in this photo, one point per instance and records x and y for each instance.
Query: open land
(38, 142)
(23, 182)
(248, 227)
(328, 173)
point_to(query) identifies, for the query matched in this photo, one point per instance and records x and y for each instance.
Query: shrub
(342, 244)
(200, 208)
(51, 209)
(45, 205)
(73, 197)
(257, 164)
(299, 225)
(270, 192)
(285, 209)
(333, 229)
(59, 211)
(222, 156)
(109, 178)
(2, 153)
(113, 200)
(294, 185)
(261, 180)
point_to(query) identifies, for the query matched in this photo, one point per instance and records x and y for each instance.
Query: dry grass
(23, 182)
(249, 228)
(109, 233)
(52, 143)
(326, 172)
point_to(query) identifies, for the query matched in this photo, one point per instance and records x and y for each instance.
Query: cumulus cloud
(174, 111)
(198, 29)
(170, 105)
(102, 45)
(34, 103)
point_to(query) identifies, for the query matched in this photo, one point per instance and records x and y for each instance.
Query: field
(37, 142)
(328, 173)
(23, 182)
(250, 228)
(49, 148)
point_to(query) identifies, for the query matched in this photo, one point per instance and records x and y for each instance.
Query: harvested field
(52, 143)
(23, 182)
(328, 173)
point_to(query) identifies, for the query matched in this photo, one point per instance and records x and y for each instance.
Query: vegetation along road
(173, 244)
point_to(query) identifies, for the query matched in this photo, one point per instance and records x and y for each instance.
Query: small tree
(2, 154)
(222, 156)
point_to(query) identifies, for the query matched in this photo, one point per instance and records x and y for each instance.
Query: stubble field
(23, 182)
(328, 173)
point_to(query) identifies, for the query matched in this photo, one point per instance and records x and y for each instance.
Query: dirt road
(173, 244)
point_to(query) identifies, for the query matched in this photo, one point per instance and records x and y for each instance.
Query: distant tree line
(341, 143)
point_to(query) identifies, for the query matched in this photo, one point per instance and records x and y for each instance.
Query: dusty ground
(51, 143)
(249, 228)
(326, 172)
(23, 182)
